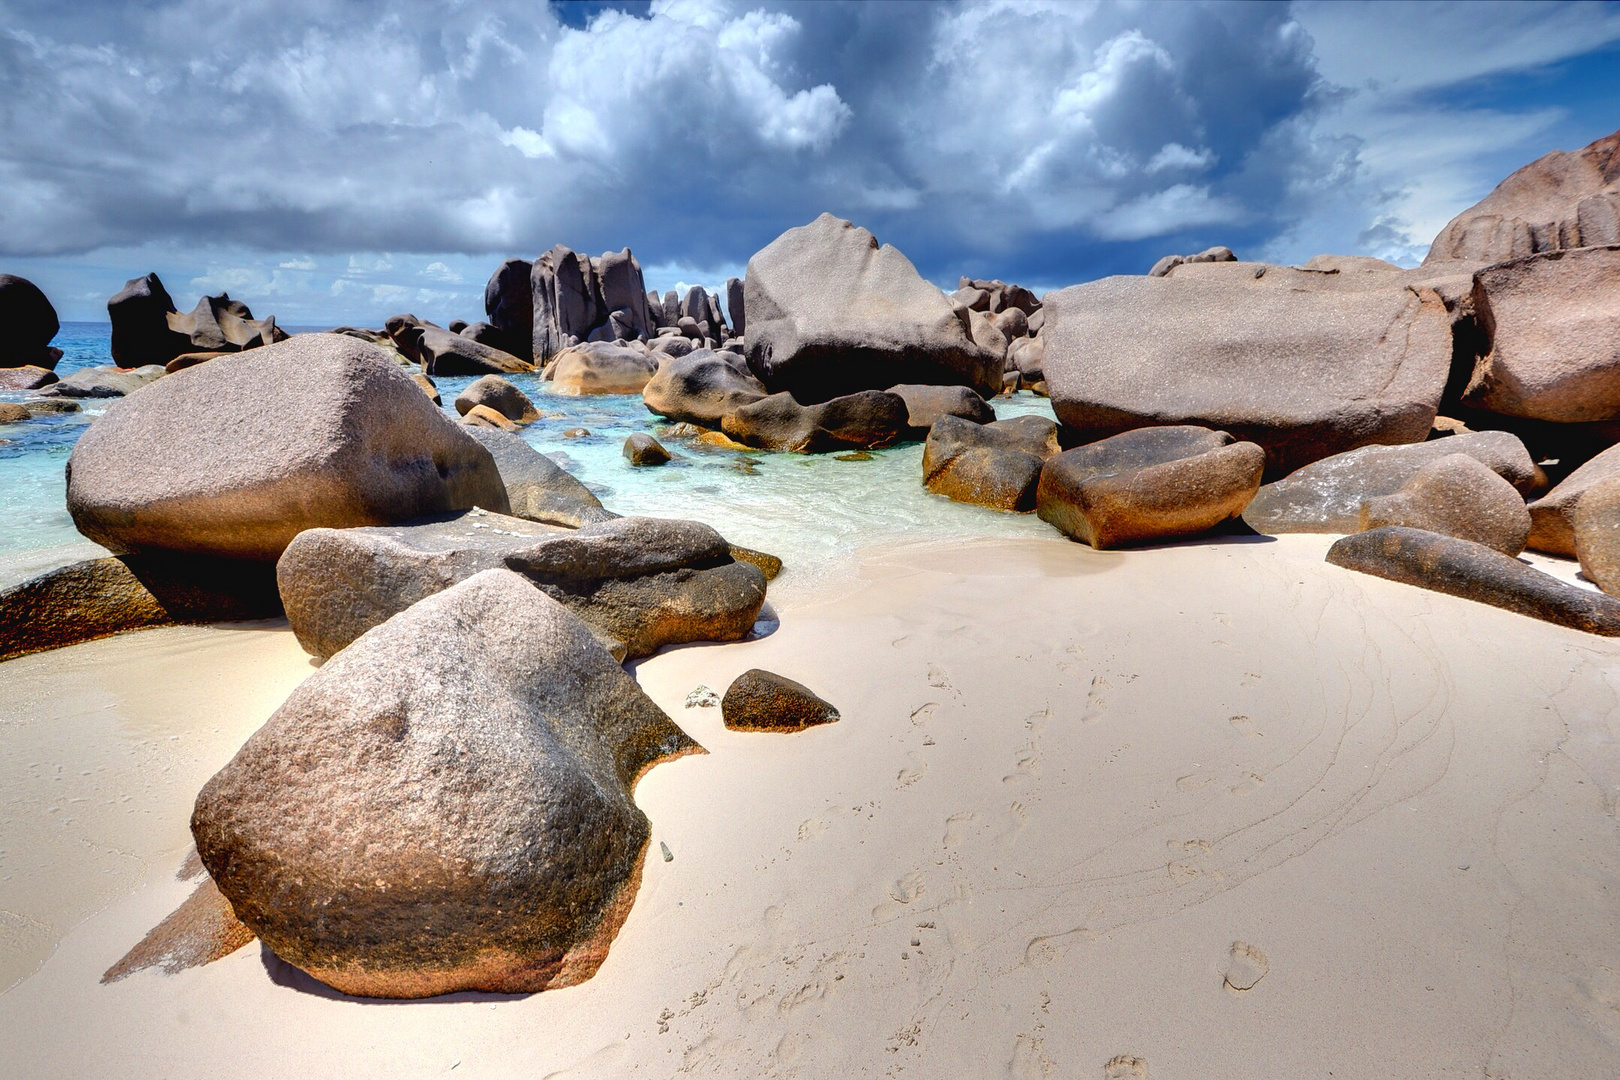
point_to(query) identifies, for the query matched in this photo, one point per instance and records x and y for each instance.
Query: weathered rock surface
(13, 413)
(1552, 517)
(104, 382)
(597, 367)
(1475, 572)
(701, 388)
(1553, 322)
(831, 313)
(28, 377)
(860, 421)
(220, 324)
(1170, 262)
(642, 449)
(736, 306)
(460, 822)
(1562, 200)
(482, 416)
(1326, 496)
(27, 324)
(445, 354)
(99, 597)
(926, 404)
(1455, 496)
(509, 304)
(1307, 364)
(537, 488)
(1149, 484)
(236, 457)
(499, 394)
(640, 583)
(1597, 534)
(996, 464)
(760, 700)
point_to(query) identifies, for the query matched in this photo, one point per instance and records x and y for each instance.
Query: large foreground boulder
(863, 421)
(1562, 200)
(831, 313)
(1326, 496)
(537, 488)
(601, 367)
(701, 388)
(1306, 363)
(237, 456)
(1553, 322)
(640, 583)
(98, 597)
(27, 324)
(1149, 484)
(462, 821)
(1475, 572)
(996, 464)
(1456, 496)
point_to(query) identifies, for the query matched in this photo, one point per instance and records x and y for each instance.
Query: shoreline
(1076, 779)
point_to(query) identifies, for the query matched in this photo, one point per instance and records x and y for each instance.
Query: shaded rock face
(830, 313)
(488, 838)
(1563, 200)
(105, 382)
(701, 388)
(862, 421)
(996, 464)
(237, 456)
(1552, 517)
(642, 449)
(497, 393)
(445, 354)
(1597, 534)
(99, 597)
(1475, 572)
(760, 700)
(1456, 496)
(926, 404)
(1306, 364)
(601, 368)
(140, 325)
(736, 306)
(1326, 496)
(1150, 484)
(537, 488)
(1553, 322)
(27, 324)
(509, 304)
(639, 583)
(220, 324)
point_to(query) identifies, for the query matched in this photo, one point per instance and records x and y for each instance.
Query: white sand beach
(1074, 799)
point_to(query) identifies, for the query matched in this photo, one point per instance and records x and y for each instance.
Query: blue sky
(333, 161)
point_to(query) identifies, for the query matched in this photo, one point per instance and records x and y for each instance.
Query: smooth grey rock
(537, 488)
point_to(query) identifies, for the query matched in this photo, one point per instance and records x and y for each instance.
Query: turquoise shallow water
(807, 509)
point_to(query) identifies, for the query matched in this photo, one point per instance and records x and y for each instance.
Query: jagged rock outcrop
(577, 299)
(1305, 363)
(736, 306)
(147, 329)
(504, 866)
(27, 324)
(509, 306)
(830, 312)
(237, 456)
(1562, 200)
(442, 353)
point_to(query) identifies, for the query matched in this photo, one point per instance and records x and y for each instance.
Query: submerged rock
(831, 313)
(996, 464)
(104, 382)
(28, 377)
(1150, 484)
(501, 395)
(1456, 496)
(1475, 572)
(860, 421)
(1326, 496)
(1305, 363)
(759, 700)
(463, 821)
(236, 457)
(701, 388)
(642, 449)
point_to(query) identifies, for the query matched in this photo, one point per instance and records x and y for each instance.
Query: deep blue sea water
(804, 508)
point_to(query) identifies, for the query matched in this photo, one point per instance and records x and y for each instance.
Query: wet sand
(1216, 809)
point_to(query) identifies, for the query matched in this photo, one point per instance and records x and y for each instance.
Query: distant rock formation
(147, 328)
(27, 325)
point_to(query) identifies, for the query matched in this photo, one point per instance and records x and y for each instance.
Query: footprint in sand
(1192, 781)
(1096, 700)
(1017, 818)
(939, 678)
(1248, 784)
(957, 828)
(1247, 967)
(924, 712)
(1025, 767)
(911, 773)
(812, 828)
(1126, 1067)
(1048, 949)
(1245, 726)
